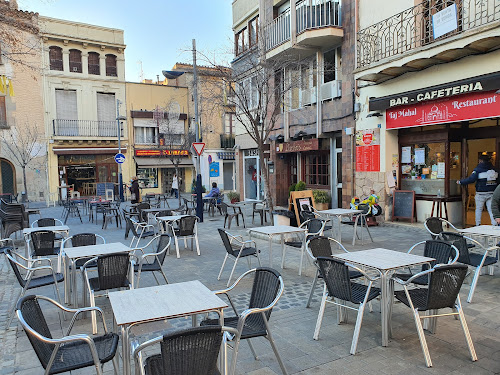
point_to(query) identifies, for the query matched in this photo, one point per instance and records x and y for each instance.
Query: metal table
(387, 262)
(137, 306)
(338, 213)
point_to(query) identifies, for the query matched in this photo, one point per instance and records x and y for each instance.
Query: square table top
(383, 259)
(153, 210)
(277, 229)
(483, 230)
(54, 228)
(340, 211)
(163, 302)
(95, 250)
(171, 218)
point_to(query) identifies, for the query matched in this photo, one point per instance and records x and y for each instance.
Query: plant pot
(234, 200)
(321, 206)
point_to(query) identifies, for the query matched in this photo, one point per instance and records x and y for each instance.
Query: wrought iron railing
(227, 141)
(310, 14)
(84, 128)
(413, 28)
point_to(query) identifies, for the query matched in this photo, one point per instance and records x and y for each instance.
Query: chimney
(13, 4)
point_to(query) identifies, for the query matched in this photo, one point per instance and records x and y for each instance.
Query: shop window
(240, 42)
(75, 61)
(148, 177)
(55, 58)
(317, 169)
(253, 32)
(423, 168)
(111, 70)
(94, 63)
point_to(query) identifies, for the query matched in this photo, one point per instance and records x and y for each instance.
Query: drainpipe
(293, 22)
(319, 82)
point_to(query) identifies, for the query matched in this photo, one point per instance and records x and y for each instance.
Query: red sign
(465, 107)
(367, 138)
(198, 147)
(157, 152)
(368, 158)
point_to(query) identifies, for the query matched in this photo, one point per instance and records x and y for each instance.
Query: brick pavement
(292, 324)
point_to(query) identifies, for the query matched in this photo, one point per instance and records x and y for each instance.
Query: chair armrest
(85, 309)
(364, 273)
(401, 282)
(85, 265)
(414, 246)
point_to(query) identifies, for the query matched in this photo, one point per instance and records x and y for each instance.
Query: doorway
(8, 174)
(228, 174)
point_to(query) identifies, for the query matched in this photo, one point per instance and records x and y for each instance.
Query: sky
(158, 33)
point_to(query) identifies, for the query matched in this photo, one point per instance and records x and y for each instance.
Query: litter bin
(282, 217)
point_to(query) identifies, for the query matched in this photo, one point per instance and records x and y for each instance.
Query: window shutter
(66, 108)
(106, 107)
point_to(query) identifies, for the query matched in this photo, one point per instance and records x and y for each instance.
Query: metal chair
(267, 289)
(361, 219)
(236, 249)
(262, 210)
(470, 258)
(46, 222)
(29, 281)
(445, 282)
(152, 262)
(112, 272)
(320, 246)
(193, 351)
(186, 228)
(435, 226)
(442, 252)
(43, 244)
(228, 217)
(70, 352)
(146, 230)
(110, 212)
(70, 208)
(338, 285)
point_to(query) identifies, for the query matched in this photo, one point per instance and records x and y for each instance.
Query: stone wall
(365, 181)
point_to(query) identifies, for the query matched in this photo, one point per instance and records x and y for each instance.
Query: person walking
(135, 194)
(486, 178)
(175, 185)
(495, 205)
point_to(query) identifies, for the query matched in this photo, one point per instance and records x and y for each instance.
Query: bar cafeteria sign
(157, 152)
(462, 108)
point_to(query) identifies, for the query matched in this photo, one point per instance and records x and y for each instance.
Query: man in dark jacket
(485, 177)
(134, 190)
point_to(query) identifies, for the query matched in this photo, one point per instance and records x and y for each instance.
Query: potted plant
(322, 199)
(301, 185)
(233, 196)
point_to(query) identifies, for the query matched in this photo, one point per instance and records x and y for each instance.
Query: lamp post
(120, 175)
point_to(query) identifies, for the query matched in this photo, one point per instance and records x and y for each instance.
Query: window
(111, 66)
(3, 113)
(146, 131)
(94, 67)
(75, 61)
(66, 108)
(317, 168)
(330, 65)
(240, 41)
(55, 57)
(294, 172)
(253, 32)
(148, 177)
(106, 115)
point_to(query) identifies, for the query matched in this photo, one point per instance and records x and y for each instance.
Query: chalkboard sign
(403, 205)
(102, 186)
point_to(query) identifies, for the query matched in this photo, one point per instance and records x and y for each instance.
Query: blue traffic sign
(120, 158)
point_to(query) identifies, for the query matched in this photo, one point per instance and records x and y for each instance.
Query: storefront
(155, 169)
(252, 182)
(441, 131)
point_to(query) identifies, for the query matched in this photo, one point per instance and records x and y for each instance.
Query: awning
(88, 151)
(226, 155)
(161, 162)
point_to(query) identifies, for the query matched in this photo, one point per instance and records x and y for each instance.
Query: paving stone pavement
(292, 324)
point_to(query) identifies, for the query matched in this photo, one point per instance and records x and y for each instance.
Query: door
(228, 174)
(336, 163)
(8, 178)
(107, 173)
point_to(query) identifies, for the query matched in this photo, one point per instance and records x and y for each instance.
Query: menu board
(368, 150)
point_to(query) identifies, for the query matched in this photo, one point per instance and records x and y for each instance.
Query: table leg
(385, 306)
(302, 250)
(339, 219)
(67, 284)
(271, 251)
(282, 241)
(125, 351)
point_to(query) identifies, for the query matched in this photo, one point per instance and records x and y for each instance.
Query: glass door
(336, 179)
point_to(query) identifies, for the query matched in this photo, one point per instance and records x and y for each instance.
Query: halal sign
(367, 138)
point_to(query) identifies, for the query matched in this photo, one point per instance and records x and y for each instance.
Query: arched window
(75, 61)
(55, 57)
(111, 66)
(94, 67)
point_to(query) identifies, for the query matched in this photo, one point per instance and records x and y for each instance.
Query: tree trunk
(265, 176)
(24, 182)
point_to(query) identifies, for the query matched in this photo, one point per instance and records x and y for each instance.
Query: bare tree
(24, 145)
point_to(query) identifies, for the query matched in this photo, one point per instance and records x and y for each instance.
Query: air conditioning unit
(331, 90)
(75, 69)
(309, 96)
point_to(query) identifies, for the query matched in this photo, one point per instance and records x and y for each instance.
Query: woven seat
(338, 285)
(267, 288)
(320, 246)
(72, 353)
(193, 351)
(442, 292)
(236, 249)
(40, 281)
(152, 262)
(442, 252)
(471, 258)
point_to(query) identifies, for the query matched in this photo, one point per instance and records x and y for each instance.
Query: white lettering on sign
(402, 113)
(471, 103)
(442, 93)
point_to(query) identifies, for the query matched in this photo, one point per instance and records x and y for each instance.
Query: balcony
(317, 23)
(402, 35)
(84, 128)
(227, 141)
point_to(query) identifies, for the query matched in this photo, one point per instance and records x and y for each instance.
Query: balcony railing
(310, 14)
(226, 141)
(84, 128)
(413, 28)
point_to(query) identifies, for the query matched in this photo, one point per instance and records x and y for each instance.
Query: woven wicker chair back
(46, 222)
(336, 276)
(83, 239)
(186, 226)
(112, 270)
(266, 285)
(435, 225)
(43, 242)
(33, 315)
(460, 243)
(14, 267)
(163, 242)
(320, 247)
(131, 226)
(226, 242)
(439, 250)
(364, 207)
(314, 225)
(444, 286)
(307, 215)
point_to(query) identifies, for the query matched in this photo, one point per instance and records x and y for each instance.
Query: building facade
(308, 142)
(428, 88)
(21, 108)
(84, 95)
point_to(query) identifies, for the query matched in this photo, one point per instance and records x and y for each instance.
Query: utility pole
(120, 176)
(199, 198)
